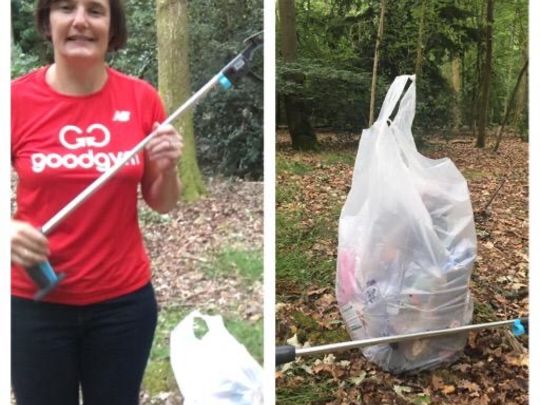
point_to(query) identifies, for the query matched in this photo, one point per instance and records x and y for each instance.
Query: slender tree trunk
(511, 66)
(174, 79)
(375, 64)
(486, 81)
(522, 94)
(509, 106)
(477, 82)
(456, 88)
(420, 42)
(475, 99)
(302, 135)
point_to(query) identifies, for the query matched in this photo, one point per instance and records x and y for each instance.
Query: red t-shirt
(59, 145)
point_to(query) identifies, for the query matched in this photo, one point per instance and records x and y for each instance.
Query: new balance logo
(121, 116)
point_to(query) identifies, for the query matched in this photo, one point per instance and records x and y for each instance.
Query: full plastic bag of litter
(407, 243)
(214, 369)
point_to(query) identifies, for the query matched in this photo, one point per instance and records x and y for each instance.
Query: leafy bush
(21, 62)
(228, 125)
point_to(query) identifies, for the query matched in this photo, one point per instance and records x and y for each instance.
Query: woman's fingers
(27, 258)
(166, 147)
(28, 245)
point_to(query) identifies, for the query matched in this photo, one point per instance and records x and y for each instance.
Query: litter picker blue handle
(45, 278)
(520, 326)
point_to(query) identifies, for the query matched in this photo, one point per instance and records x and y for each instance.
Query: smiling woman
(93, 332)
(80, 31)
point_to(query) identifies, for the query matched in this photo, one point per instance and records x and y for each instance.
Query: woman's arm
(160, 184)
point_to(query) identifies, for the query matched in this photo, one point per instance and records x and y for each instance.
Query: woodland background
(467, 55)
(335, 62)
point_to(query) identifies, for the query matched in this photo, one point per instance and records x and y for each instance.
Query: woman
(70, 122)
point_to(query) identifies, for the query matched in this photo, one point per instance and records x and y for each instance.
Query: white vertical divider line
(534, 197)
(269, 198)
(5, 125)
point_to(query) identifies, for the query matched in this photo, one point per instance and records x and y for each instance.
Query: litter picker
(288, 353)
(43, 274)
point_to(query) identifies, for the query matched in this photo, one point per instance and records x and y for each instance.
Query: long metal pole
(356, 344)
(100, 181)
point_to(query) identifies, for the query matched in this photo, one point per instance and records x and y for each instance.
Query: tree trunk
(486, 82)
(477, 82)
(509, 106)
(375, 64)
(420, 42)
(456, 88)
(302, 135)
(174, 79)
(523, 92)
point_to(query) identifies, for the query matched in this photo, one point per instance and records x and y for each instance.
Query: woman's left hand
(165, 149)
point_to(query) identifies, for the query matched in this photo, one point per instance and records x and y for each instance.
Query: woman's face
(80, 29)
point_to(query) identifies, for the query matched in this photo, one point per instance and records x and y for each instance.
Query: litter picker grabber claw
(288, 353)
(43, 274)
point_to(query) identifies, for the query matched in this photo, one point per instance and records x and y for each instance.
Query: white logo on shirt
(121, 116)
(75, 142)
(72, 137)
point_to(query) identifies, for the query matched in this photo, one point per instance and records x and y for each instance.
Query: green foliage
(250, 334)
(159, 376)
(293, 167)
(510, 38)
(148, 216)
(138, 58)
(229, 124)
(422, 399)
(25, 36)
(232, 262)
(336, 47)
(21, 62)
(320, 393)
(27, 50)
(295, 262)
(334, 96)
(331, 158)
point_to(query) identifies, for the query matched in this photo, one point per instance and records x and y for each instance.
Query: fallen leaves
(184, 242)
(230, 215)
(490, 371)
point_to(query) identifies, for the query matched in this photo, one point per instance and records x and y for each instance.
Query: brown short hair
(118, 29)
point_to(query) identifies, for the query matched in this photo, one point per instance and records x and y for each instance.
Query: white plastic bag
(407, 243)
(213, 369)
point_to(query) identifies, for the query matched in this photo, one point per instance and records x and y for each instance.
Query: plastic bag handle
(392, 96)
(212, 322)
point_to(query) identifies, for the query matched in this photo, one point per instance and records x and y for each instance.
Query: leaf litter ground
(311, 189)
(181, 245)
(184, 244)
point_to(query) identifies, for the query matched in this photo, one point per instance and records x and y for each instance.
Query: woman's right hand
(28, 245)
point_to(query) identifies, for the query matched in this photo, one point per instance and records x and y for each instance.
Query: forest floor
(310, 191)
(206, 255)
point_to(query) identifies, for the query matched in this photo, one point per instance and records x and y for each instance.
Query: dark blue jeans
(101, 348)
